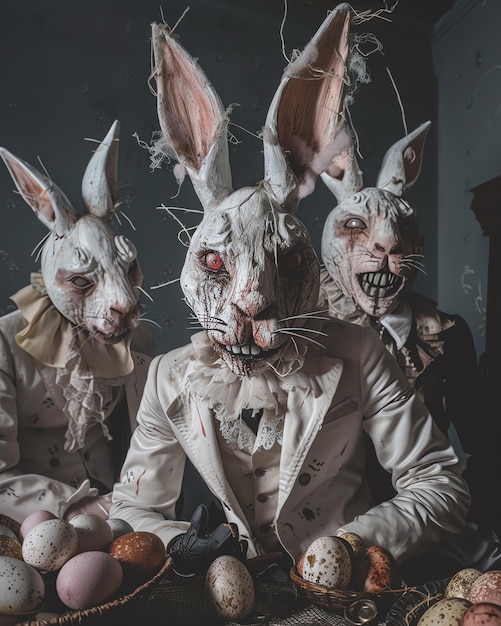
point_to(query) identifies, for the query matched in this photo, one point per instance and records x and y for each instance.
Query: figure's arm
(22, 493)
(432, 499)
(152, 474)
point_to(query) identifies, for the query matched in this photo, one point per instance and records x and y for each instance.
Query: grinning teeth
(378, 283)
(246, 349)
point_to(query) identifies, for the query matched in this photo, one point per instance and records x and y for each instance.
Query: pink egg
(486, 588)
(31, 520)
(89, 579)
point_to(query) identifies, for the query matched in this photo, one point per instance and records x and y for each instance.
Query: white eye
(355, 222)
(81, 282)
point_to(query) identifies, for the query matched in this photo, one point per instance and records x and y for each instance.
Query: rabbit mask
(90, 273)
(251, 275)
(371, 247)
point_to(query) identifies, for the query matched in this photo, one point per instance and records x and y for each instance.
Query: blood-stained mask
(371, 246)
(251, 275)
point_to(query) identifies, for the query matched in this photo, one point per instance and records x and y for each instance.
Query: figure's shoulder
(12, 323)
(342, 336)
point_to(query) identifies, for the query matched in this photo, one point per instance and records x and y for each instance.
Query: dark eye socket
(355, 222)
(294, 260)
(213, 261)
(81, 282)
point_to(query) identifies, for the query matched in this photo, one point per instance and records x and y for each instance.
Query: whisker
(419, 267)
(127, 218)
(285, 332)
(145, 319)
(169, 282)
(302, 328)
(38, 248)
(303, 316)
(143, 291)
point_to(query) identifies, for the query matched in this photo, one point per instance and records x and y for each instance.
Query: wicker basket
(124, 609)
(341, 599)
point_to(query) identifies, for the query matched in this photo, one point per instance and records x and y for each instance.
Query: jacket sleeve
(151, 478)
(21, 493)
(432, 498)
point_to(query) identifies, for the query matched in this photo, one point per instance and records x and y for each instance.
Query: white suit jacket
(35, 470)
(357, 391)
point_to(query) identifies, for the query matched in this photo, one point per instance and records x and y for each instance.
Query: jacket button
(262, 497)
(304, 479)
(260, 471)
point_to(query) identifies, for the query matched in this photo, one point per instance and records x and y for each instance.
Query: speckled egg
(89, 579)
(445, 612)
(230, 588)
(22, 588)
(140, 553)
(94, 533)
(119, 527)
(10, 546)
(356, 542)
(31, 520)
(326, 562)
(486, 588)
(459, 585)
(482, 614)
(50, 544)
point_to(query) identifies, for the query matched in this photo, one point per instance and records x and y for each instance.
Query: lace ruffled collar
(86, 371)
(227, 394)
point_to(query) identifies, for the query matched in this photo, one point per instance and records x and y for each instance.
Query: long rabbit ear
(49, 203)
(192, 118)
(402, 163)
(303, 130)
(99, 182)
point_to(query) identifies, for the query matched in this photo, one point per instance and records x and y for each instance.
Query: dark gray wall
(467, 55)
(68, 69)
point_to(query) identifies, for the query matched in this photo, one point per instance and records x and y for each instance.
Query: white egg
(230, 588)
(22, 588)
(445, 612)
(326, 562)
(50, 544)
(93, 532)
(119, 527)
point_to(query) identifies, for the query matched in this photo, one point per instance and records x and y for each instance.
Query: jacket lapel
(306, 409)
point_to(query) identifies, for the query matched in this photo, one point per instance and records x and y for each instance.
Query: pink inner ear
(34, 193)
(188, 110)
(311, 101)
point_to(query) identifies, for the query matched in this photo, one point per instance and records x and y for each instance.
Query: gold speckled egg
(445, 612)
(230, 588)
(459, 585)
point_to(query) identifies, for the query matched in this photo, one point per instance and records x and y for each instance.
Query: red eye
(213, 261)
(294, 260)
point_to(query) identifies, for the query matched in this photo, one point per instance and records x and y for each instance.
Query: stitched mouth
(250, 352)
(380, 284)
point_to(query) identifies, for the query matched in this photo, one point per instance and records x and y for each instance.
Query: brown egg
(486, 588)
(376, 571)
(141, 555)
(482, 614)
